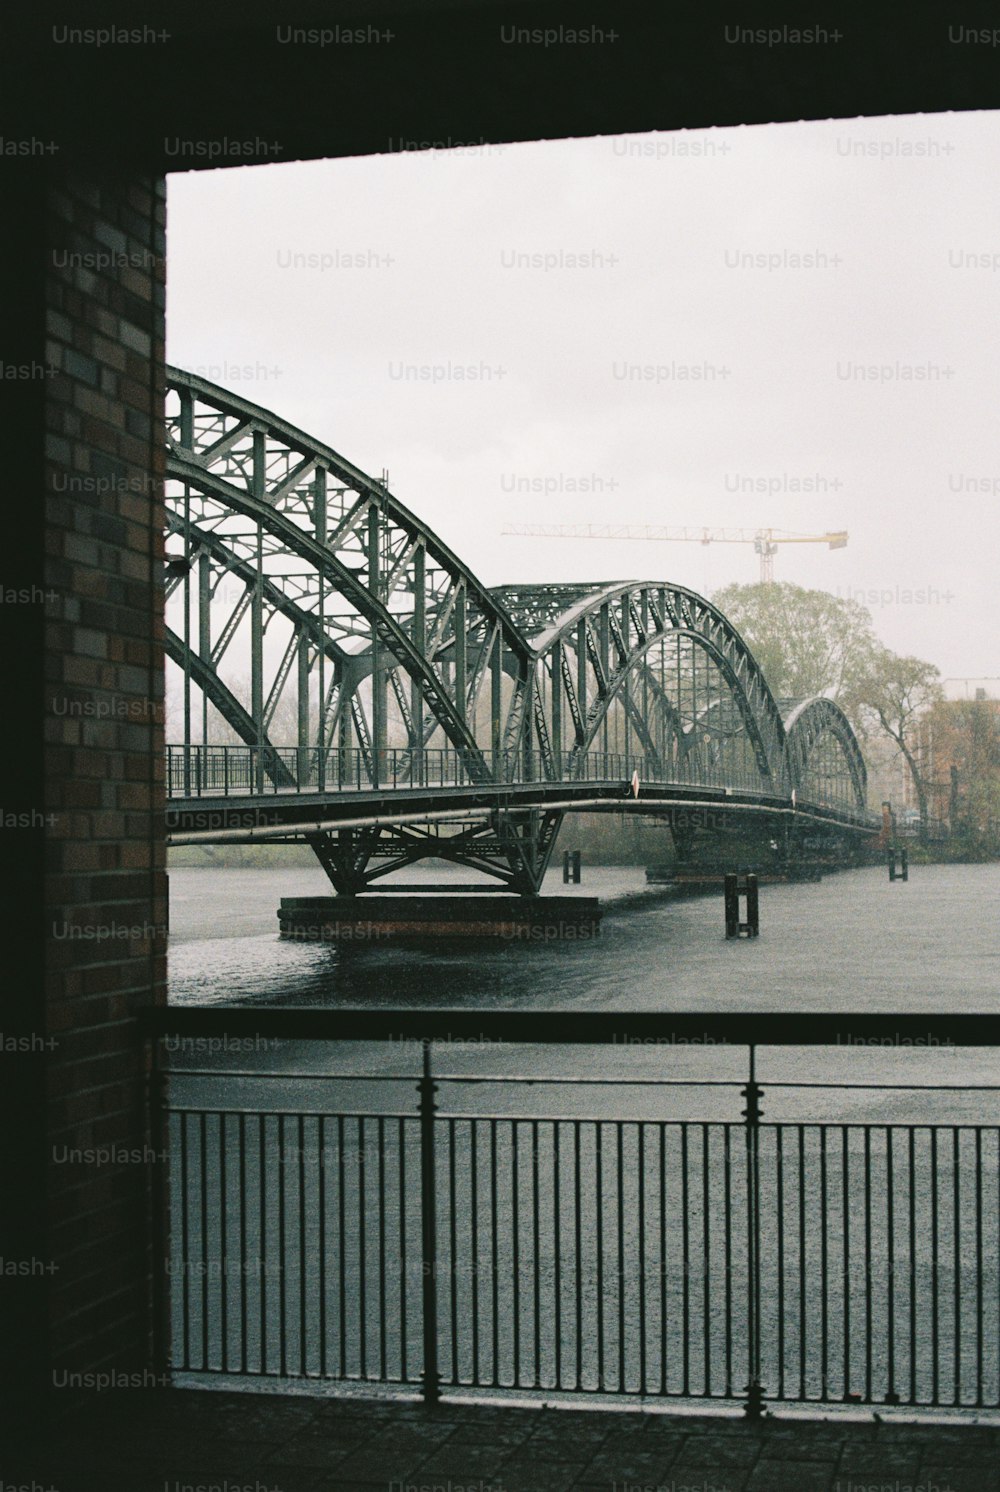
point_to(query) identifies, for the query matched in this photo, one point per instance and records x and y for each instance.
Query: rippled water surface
(853, 942)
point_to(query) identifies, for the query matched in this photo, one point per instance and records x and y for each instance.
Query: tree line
(811, 642)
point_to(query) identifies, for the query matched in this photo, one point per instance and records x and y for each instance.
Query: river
(851, 942)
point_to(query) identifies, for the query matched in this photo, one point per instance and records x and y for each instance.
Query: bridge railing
(225, 771)
(460, 1213)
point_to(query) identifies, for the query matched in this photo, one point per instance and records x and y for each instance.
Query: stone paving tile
(578, 1419)
(163, 1465)
(462, 1463)
(700, 1479)
(347, 1486)
(888, 1476)
(138, 1453)
(790, 1476)
(379, 1411)
(318, 1447)
(951, 1478)
(719, 1450)
(396, 1445)
(522, 1475)
(217, 1474)
(959, 1453)
(795, 1448)
(861, 1461)
(732, 1480)
(110, 1479)
(545, 1439)
(629, 1464)
(658, 1449)
(511, 1435)
(698, 1424)
(859, 1432)
(937, 1434)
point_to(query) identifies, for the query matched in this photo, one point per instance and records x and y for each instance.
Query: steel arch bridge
(347, 680)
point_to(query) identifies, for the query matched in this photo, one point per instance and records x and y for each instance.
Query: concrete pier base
(380, 919)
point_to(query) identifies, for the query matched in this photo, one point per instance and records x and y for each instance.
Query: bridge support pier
(371, 919)
(735, 886)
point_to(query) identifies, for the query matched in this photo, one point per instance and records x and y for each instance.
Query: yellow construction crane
(764, 540)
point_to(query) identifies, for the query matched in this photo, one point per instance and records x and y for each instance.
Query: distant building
(988, 688)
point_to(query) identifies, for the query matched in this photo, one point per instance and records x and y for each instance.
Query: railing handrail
(905, 1031)
(613, 766)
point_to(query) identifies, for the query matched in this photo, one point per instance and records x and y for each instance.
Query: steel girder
(602, 652)
(366, 635)
(377, 582)
(823, 752)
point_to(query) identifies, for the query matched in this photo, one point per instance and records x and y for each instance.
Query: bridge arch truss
(316, 622)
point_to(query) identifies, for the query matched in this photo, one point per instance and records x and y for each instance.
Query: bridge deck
(285, 811)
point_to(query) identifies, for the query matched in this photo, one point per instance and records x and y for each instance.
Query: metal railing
(543, 1233)
(198, 771)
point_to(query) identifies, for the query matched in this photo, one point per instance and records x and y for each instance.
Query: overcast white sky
(581, 363)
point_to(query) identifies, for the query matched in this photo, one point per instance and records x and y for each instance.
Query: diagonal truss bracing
(315, 618)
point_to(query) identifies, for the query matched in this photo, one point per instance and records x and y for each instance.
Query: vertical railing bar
(706, 1259)
(779, 1161)
(362, 1174)
(845, 1205)
(727, 1135)
(516, 1244)
(243, 1241)
(932, 1130)
(802, 1261)
(495, 1253)
(663, 1257)
(752, 1114)
(557, 1245)
(641, 1181)
(428, 1194)
(185, 1243)
(453, 1251)
(577, 1206)
(536, 1248)
(474, 1242)
(890, 1248)
(979, 1265)
(342, 1245)
(262, 1208)
(620, 1221)
(685, 1264)
(912, 1198)
(282, 1282)
(824, 1270)
(383, 1365)
(868, 1263)
(223, 1246)
(997, 1132)
(303, 1315)
(599, 1241)
(957, 1255)
(403, 1261)
(203, 1220)
(321, 1262)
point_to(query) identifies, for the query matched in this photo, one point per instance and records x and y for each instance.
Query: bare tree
(899, 692)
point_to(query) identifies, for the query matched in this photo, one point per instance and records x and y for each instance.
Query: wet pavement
(206, 1441)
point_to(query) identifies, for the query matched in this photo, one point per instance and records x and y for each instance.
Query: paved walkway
(224, 1442)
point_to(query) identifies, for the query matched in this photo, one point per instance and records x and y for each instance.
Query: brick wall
(106, 906)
